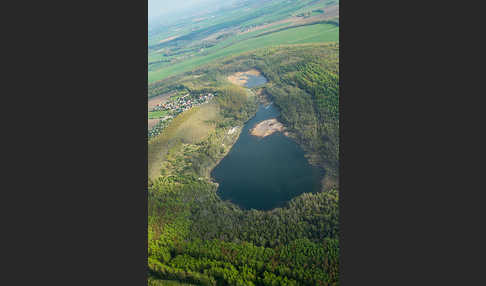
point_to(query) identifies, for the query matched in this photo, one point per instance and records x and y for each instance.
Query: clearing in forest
(241, 78)
(189, 127)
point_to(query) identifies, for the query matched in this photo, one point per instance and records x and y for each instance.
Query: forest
(196, 238)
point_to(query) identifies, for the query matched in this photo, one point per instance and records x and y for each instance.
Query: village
(174, 107)
(183, 103)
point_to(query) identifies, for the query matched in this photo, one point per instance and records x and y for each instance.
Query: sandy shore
(240, 78)
(267, 127)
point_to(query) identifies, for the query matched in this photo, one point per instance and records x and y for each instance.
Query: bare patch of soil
(240, 78)
(168, 39)
(267, 127)
(152, 102)
(152, 122)
(261, 27)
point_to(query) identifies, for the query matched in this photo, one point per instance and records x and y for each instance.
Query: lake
(264, 173)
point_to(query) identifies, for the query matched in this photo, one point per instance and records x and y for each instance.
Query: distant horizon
(158, 8)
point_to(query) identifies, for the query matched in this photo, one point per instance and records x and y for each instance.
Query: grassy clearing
(157, 114)
(156, 56)
(306, 34)
(189, 127)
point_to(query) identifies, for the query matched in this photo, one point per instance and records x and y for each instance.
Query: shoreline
(227, 150)
(328, 181)
(267, 127)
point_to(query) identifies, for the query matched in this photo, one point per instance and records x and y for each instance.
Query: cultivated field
(153, 101)
(152, 123)
(157, 114)
(317, 33)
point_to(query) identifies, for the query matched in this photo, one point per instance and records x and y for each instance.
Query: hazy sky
(160, 7)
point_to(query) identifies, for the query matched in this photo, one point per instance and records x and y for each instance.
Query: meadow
(157, 114)
(188, 127)
(317, 5)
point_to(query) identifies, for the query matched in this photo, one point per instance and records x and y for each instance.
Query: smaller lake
(255, 80)
(264, 173)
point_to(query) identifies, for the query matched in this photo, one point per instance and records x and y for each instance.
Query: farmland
(157, 114)
(183, 45)
(317, 33)
(152, 102)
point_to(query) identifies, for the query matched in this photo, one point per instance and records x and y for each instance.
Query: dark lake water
(255, 80)
(264, 173)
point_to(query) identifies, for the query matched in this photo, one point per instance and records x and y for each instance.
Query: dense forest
(199, 239)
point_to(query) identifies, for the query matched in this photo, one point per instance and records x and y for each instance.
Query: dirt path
(168, 39)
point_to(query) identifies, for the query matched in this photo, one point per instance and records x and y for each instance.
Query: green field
(157, 56)
(319, 5)
(254, 12)
(318, 33)
(157, 114)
